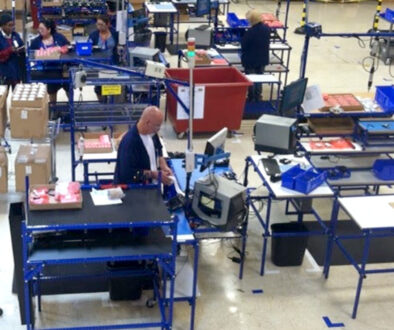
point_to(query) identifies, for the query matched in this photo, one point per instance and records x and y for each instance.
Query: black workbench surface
(140, 206)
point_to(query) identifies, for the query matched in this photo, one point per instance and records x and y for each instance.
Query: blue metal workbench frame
(265, 222)
(32, 269)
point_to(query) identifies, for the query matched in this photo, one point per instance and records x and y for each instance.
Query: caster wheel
(150, 303)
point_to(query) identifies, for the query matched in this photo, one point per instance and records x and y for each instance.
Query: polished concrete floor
(292, 297)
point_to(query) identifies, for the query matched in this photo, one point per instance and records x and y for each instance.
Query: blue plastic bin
(389, 15)
(84, 48)
(384, 96)
(384, 169)
(301, 180)
(234, 22)
(309, 181)
(288, 177)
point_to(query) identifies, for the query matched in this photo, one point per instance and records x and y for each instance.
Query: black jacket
(132, 157)
(255, 46)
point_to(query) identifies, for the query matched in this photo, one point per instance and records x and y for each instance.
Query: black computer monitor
(214, 146)
(292, 97)
(203, 7)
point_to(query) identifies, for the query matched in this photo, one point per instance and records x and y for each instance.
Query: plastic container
(389, 15)
(234, 22)
(160, 40)
(224, 102)
(83, 48)
(288, 250)
(301, 180)
(384, 96)
(384, 169)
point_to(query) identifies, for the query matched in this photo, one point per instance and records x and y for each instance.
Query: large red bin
(225, 95)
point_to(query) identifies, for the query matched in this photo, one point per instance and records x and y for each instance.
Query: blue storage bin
(302, 180)
(84, 48)
(389, 15)
(288, 177)
(232, 19)
(385, 97)
(309, 181)
(384, 169)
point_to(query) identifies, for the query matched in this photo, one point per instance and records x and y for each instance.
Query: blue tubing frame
(32, 270)
(265, 222)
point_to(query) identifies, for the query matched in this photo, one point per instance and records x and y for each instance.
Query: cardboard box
(48, 197)
(101, 144)
(3, 171)
(18, 25)
(51, 3)
(137, 4)
(29, 123)
(3, 109)
(33, 160)
(7, 4)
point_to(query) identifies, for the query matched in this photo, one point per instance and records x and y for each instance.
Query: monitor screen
(293, 96)
(214, 146)
(203, 7)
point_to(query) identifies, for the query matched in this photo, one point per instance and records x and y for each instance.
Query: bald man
(140, 157)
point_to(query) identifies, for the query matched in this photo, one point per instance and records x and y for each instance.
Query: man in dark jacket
(11, 48)
(255, 50)
(140, 157)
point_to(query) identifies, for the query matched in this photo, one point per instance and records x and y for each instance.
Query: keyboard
(271, 166)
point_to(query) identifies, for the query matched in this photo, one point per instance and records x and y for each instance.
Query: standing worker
(140, 156)
(255, 51)
(11, 49)
(49, 38)
(106, 39)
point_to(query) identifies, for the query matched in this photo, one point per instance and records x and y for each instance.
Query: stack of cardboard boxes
(29, 111)
(34, 161)
(3, 171)
(3, 109)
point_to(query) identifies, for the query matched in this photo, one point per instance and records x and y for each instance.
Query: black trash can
(288, 250)
(142, 37)
(160, 40)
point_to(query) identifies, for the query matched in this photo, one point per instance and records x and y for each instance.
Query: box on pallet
(3, 171)
(3, 109)
(33, 160)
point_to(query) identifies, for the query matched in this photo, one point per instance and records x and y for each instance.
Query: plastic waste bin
(142, 37)
(160, 40)
(288, 250)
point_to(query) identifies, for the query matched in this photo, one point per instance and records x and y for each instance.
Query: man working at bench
(140, 157)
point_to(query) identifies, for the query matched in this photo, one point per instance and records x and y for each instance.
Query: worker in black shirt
(255, 51)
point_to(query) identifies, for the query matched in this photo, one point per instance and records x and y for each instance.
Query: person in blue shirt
(11, 51)
(106, 39)
(50, 38)
(140, 157)
(255, 51)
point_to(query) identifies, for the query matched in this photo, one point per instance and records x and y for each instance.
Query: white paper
(24, 114)
(28, 170)
(100, 197)
(199, 100)
(313, 99)
(121, 17)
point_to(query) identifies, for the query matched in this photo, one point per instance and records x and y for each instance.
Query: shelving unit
(90, 114)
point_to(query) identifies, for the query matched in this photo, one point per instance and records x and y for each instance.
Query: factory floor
(291, 297)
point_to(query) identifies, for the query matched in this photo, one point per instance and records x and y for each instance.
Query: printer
(275, 134)
(219, 201)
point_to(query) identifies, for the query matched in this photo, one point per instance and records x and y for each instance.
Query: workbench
(277, 192)
(136, 211)
(374, 216)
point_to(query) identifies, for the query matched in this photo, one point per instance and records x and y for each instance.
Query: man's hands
(166, 175)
